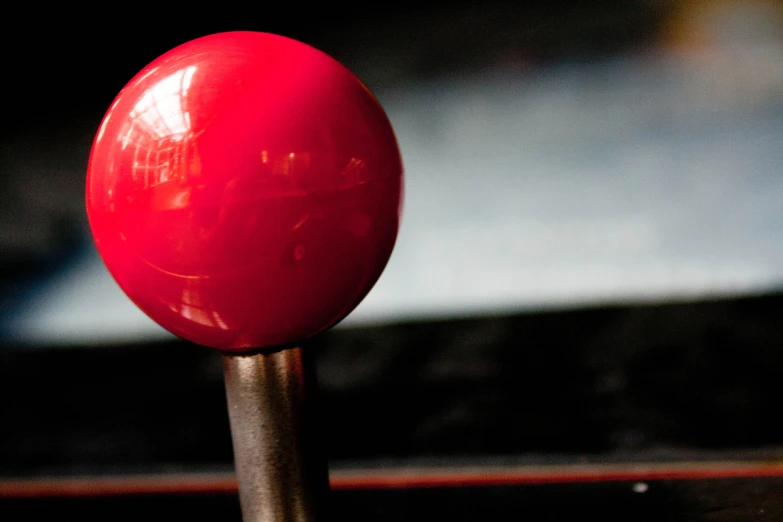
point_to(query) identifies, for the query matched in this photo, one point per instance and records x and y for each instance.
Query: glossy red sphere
(244, 190)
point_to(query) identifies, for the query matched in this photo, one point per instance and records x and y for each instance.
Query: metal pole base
(281, 477)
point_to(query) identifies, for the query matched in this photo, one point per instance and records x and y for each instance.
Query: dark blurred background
(590, 261)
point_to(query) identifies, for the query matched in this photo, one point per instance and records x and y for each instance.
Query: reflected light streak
(160, 110)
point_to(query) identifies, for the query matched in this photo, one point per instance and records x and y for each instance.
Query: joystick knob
(244, 190)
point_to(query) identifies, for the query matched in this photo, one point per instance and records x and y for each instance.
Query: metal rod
(281, 476)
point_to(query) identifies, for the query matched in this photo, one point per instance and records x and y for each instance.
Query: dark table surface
(655, 412)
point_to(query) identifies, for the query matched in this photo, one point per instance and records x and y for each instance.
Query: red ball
(244, 190)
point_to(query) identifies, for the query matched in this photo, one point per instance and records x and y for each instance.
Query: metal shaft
(281, 476)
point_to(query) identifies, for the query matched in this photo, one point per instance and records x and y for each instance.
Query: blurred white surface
(643, 179)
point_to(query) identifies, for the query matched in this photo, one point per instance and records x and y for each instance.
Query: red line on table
(387, 478)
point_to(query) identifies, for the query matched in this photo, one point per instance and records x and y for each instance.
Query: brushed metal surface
(280, 474)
